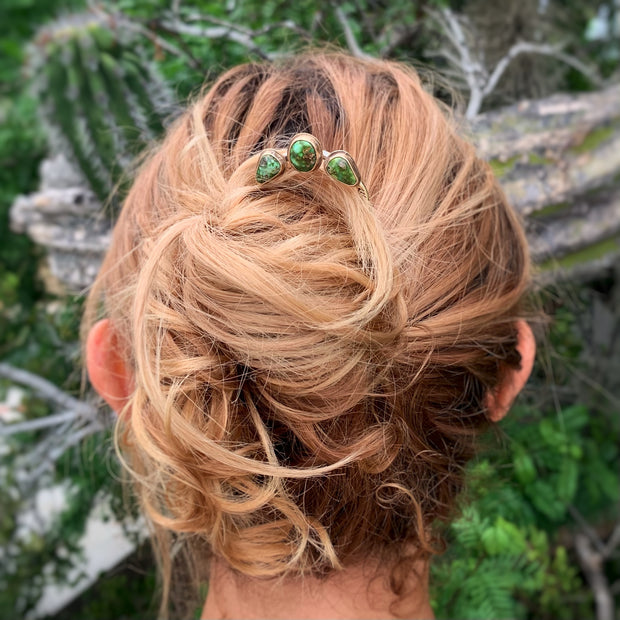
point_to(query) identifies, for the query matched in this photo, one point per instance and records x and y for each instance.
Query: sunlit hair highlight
(311, 369)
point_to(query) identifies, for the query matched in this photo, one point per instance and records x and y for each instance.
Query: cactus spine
(101, 99)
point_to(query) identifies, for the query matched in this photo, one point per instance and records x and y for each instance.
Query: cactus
(101, 99)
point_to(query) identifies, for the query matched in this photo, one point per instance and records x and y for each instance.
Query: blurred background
(85, 86)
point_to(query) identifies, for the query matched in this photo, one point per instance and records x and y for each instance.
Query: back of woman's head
(310, 368)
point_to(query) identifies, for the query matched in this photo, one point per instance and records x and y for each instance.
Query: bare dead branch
(591, 563)
(287, 24)
(613, 541)
(473, 70)
(162, 43)
(47, 390)
(58, 449)
(481, 82)
(450, 57)
(352, 43)
(194, 24)
(525, 47)
(587, 529)
(38, 423)
(229, 31)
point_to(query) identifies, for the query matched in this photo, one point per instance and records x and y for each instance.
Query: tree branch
(352, 43)
(162, 43)
(191, 24)
(591, 563)
(47, 390)
(58, 449)
(587, 530)
(174, 25)
(479, 81)
(525, 47)
(288, 24)
(473, 70)
(613, 541)
(38, 423)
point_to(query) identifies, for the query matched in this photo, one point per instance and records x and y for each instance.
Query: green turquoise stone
(268, 167)
(302, 155)
(340, 169)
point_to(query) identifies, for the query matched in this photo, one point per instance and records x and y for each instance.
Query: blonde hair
(311, 369)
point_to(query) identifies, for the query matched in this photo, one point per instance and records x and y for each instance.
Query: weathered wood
(558, 160)
(583, 223)
(556, 123)
(549, 151)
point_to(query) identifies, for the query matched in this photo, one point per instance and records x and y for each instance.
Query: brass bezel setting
(316, 145)
(350, 161)
(277, 154)
(322, 160)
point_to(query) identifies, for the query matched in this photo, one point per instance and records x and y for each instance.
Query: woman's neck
(361, 593)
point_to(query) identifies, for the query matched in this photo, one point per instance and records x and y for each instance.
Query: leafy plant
(504, 558)
(552, 469)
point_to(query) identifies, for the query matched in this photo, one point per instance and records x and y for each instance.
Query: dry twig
(591, 563)
(480, 81)
(592, 553)
(76, 421)
(352, 43)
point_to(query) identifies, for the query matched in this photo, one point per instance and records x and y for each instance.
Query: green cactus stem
(102, 101)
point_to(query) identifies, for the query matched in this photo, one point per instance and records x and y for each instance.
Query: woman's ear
(106, 367)
(500, 401)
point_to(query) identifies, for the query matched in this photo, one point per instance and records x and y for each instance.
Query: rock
(67, 219)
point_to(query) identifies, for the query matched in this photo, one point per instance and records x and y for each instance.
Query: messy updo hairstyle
(310, 368)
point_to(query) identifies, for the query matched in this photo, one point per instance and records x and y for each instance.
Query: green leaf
(503, 538)
(524, 467)
(566, 484)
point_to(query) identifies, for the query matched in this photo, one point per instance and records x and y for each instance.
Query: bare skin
(357, 592)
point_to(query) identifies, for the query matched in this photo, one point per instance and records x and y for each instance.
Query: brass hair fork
(305, 154)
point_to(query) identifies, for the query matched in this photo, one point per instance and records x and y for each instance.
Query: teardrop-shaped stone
(302, 155)
(268, 167)
(340, 169)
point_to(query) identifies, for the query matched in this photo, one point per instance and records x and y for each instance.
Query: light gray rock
(66, 218)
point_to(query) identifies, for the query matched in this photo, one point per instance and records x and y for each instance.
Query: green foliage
(36, 333)
(503, 561)
(128, 595)
(22, 146)
(507, 555)
(20, 150)
(510, 554)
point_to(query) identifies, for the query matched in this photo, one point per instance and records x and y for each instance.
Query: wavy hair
(310, 369)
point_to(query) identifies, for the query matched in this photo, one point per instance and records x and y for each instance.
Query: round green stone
(302, 155)
(340, 169)
(268, 168)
